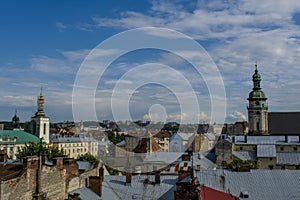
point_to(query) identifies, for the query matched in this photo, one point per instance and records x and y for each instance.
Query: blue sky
(43, 43)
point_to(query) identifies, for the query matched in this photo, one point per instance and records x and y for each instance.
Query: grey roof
(284, 123)
(71, 139)
(271, 139)
(121, 144)
(210, 136)
(292, 158)
(137, 190)
(86, 166)
(260, 184)
(86, 194)
(202, 160)
(245, 155)
(266, 151)
(186, 136)
(162, 157)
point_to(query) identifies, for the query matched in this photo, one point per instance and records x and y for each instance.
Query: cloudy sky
(44, 44)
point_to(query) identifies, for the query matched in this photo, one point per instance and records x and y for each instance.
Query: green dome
(257, 94)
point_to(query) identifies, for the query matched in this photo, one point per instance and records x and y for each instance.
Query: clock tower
(257, 108)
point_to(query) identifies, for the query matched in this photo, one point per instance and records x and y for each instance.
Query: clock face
(257, 102)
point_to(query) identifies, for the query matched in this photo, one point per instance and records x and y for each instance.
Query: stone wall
(56, 181)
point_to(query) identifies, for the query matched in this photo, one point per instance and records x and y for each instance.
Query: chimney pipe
(233, 139)
(95, 184)
(101, 173)
(157, 177)
(128, 177)
(245, 138)
(299, 138)
(286, 139)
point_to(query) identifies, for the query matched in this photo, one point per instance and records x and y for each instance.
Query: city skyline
(44, 44)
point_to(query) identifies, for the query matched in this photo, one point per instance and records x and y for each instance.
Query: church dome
(257, 94)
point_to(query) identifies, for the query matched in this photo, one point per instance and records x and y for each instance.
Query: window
(45, 129)
(295, 149)
(281, 149)
(271, 167)
(241, 148)
(257, 126)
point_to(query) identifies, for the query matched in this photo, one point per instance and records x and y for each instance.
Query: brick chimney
(157, 177)
(101, 173)
(128, 177)
(3, 157)
(58, 162)
(30, 162)
(95, 183)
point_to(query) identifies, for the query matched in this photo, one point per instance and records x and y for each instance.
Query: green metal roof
(257, 94)
(17, 137)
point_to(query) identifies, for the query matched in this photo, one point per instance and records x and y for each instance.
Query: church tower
(39, 122)
(257, 108)
(16, 122)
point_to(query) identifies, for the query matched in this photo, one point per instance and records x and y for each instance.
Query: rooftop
(259, 184)
(262, 140)
(138, 190)
(17, 137)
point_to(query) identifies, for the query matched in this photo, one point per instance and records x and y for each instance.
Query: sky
(45, 43)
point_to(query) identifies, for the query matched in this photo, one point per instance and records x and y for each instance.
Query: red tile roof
(207, 193)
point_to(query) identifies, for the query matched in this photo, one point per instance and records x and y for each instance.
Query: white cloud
(60, 26)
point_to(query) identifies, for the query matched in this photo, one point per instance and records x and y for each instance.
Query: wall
(56, 180)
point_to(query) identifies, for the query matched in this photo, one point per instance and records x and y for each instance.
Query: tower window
(45, 129)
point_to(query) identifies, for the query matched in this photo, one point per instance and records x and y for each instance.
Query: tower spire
(41, 93)
(256, 79)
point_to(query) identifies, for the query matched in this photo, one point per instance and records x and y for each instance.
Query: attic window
(245, 194)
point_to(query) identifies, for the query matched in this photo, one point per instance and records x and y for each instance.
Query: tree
(237, 162)
(36, 149)
(87, 157)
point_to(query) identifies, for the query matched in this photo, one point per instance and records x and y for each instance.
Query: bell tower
(40, 122)
(257, 108)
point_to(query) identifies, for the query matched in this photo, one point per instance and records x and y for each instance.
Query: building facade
(75, 146)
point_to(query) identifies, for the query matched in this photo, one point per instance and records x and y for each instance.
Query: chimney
(58, 162)
(30, 162)
(95, 184)
(299, 138)
(44, 158)
(128, 177)
(233, 139)
(157, 177)
(101, 173)
(245, 138)
(286, 139)
(3, 157)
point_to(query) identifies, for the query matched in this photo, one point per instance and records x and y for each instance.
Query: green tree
(36, 149)
(237, 162)
(87, 157)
